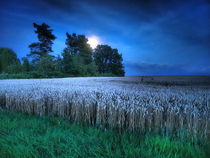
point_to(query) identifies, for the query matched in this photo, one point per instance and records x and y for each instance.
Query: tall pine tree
(44, 46)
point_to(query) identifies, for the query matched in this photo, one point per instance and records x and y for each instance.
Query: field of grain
(127, 103)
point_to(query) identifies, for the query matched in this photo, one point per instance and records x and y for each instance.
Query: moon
(93, 41)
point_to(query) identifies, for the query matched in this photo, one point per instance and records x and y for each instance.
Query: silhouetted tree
(14, 69)
(58, 64)
(44, 46)
(8, 60)
(77, 44)
(46, 64)
(70, 62)
(77, 56)
(26, 65)
(108, 60)
(78, 59)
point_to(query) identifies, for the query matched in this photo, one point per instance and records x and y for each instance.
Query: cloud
(188, 23)
(161, 69)
(63, 6)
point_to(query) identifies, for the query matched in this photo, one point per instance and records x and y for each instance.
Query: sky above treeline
(155, 37)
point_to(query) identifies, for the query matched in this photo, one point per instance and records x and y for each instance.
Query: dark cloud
(140, 10)
(63, 5)
(198, 39)
(156, 69)
(189, 23)
(162, 69)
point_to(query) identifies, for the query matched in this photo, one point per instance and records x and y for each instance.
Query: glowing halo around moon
(93, 41)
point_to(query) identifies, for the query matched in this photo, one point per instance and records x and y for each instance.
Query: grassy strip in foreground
(25, 136)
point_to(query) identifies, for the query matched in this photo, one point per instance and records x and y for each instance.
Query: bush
(14, 69)
(37, 74)
(15, 76)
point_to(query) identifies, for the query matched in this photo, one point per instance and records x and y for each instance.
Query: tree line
(76, 59)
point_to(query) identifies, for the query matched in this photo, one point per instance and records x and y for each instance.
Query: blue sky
(164, 37)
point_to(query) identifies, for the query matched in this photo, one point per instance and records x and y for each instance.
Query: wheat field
(125, 103)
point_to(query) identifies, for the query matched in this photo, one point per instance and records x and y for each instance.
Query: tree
(58, 64)
(70, 64)
(14, 69)
(77, 56)
(108, 60)
(46, 64)
(78, 45)
(26, 65)
(8, 60)
(44, 46)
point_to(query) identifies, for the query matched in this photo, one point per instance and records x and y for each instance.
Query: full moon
(93, 41)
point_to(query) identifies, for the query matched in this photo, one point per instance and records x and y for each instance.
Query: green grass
(25, 136)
